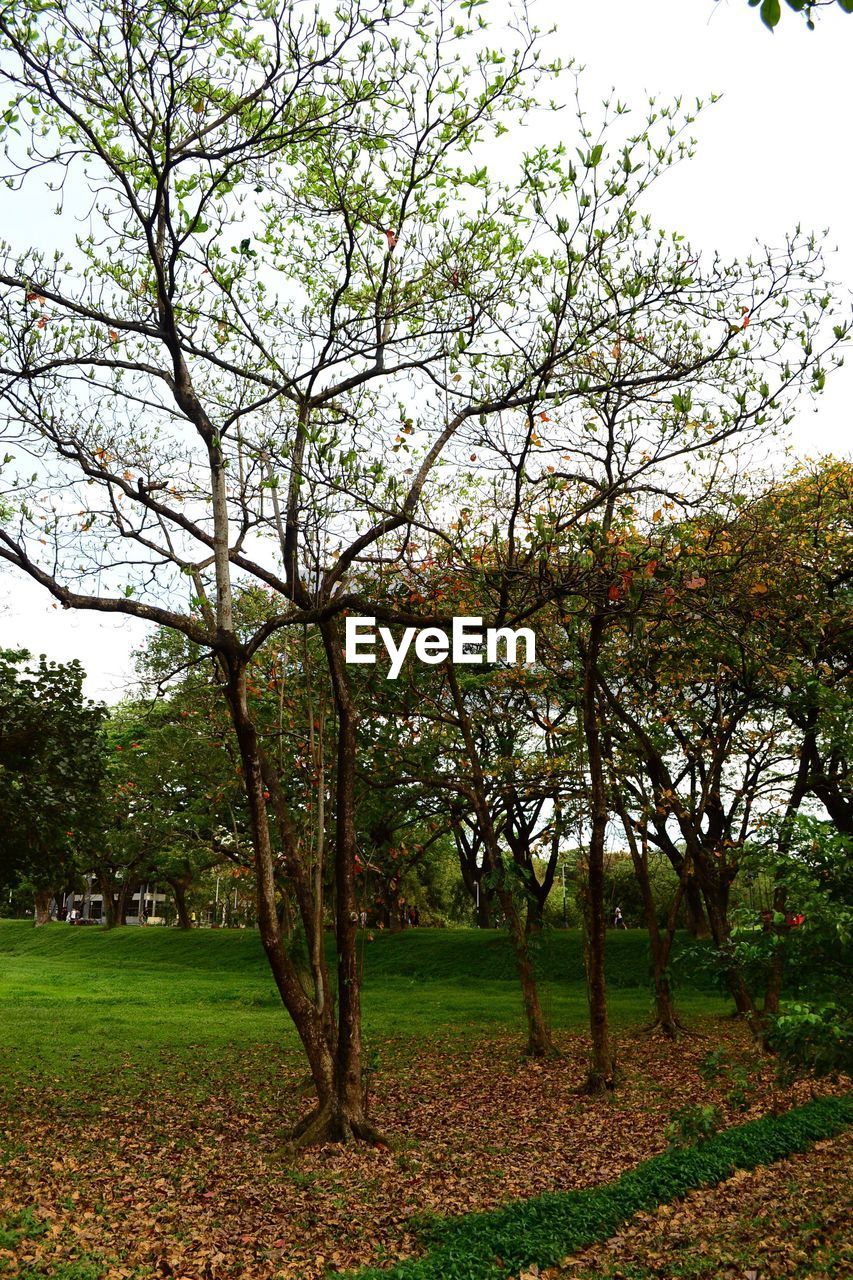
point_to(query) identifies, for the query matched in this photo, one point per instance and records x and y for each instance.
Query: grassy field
(68, 996)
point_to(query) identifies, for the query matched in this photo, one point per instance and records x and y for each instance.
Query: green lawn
(74, 996)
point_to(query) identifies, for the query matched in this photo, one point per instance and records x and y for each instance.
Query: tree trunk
(108, 903)
(601, 1076)
(42, 899)
(115, 905)
(179, 888)
(695, 916)
(716, 902)
(601, 1073)
(483, 908)
(666, 1018)
(335, 1118)
(539, 1041)
(348, 1106)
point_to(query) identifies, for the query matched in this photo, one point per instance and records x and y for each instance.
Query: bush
(813, 1038)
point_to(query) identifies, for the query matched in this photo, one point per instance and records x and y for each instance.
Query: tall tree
(51, 772)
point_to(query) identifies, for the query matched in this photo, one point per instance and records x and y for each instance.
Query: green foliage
(811, 868)
(717, 1065)
(815, 1037)
(21, 1226)
(771, 10)
(51, 770)
(692, 1124)
(545, 1230)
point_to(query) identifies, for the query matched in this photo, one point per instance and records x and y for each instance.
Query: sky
(773, 153)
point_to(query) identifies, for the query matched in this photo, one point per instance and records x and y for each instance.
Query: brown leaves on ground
(791, 1219)
(185, 1173)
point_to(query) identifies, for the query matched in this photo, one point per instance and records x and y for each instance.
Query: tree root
(670, 1029)
(599, 1083)
(329, 1124)
(543, 1053)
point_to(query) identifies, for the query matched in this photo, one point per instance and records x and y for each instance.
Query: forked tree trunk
(666, 1015)
(716, 902)
(695, 917)
(483, 908)
(111, 915)
(115, 908)
(338, 1115)
(42, 899)
(714, 888)
(349, 1088)
(539, 1041)
(660, 946)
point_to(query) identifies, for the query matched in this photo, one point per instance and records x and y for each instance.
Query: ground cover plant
(785, 1219)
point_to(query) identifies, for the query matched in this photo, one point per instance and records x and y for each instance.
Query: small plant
(712, 1065)
(717, 1067)
(691, 1125)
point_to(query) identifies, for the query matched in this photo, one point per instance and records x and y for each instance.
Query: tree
(51, 771)
(712, 695)
(238, 301)
(279, 325)
(167, 782)
(798, 596)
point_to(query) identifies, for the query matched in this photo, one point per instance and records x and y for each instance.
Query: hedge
(545, 1230)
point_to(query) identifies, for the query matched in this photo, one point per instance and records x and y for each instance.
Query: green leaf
(771, 12)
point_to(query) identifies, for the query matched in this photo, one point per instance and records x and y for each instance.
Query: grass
(71, 996)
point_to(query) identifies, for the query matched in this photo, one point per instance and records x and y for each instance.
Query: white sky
(772, 153)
